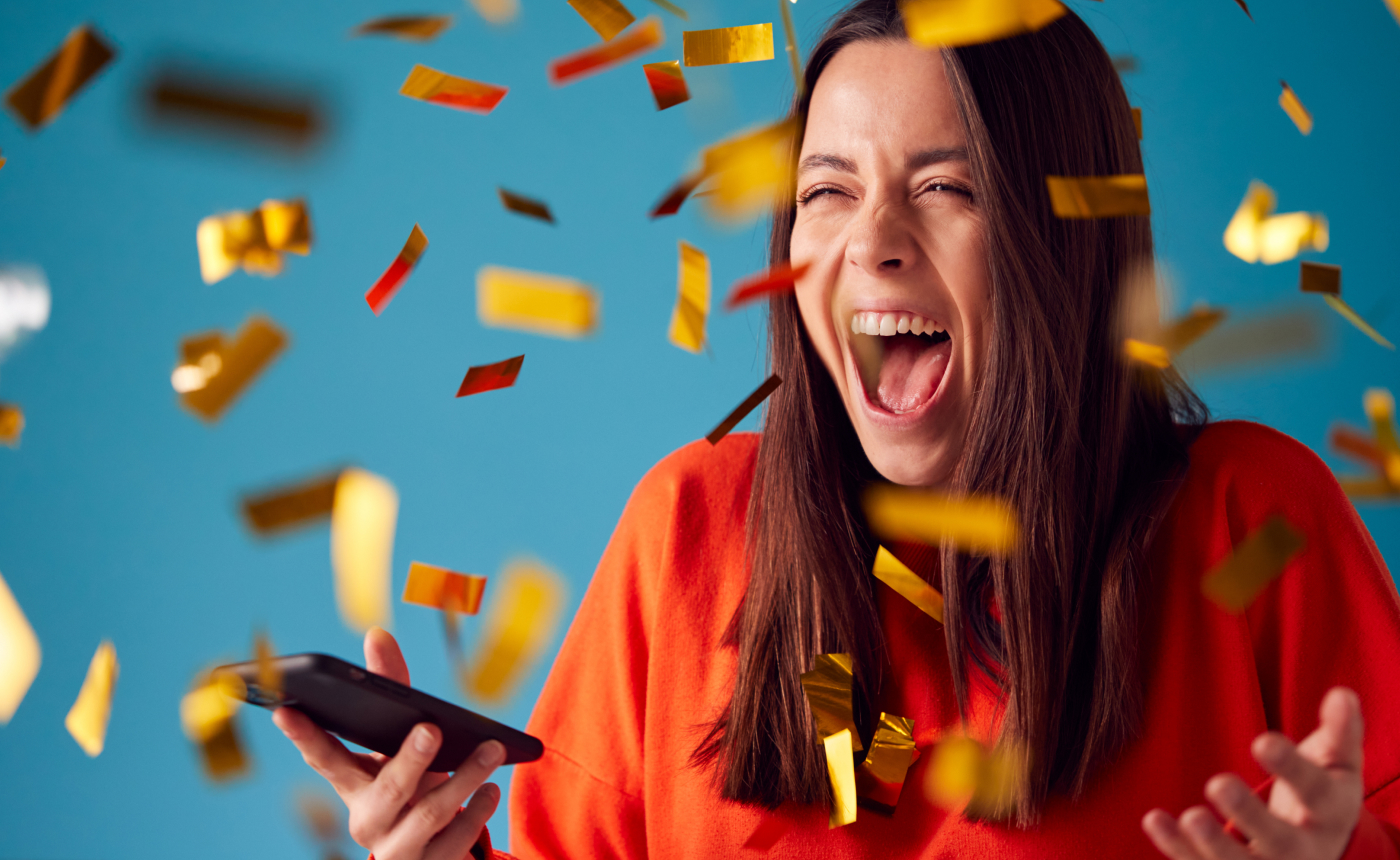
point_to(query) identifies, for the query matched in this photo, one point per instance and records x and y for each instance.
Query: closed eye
(817, 191)
(947, 186)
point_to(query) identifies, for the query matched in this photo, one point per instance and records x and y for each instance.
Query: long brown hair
(1087, 449)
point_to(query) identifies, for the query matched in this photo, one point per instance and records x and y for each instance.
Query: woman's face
(898, 286)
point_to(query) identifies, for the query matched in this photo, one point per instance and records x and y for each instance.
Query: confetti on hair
(828, 689)
(213, 372)
(1235, 582)
(953, 23)
(388, 284)
(87, 719)
(1098, 196)
(840, 768)
(880, 778)
(42, 95)
(363, 521)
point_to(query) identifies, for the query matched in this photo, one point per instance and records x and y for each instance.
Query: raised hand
(1313, 806)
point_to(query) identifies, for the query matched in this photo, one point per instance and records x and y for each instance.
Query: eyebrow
(921, 159)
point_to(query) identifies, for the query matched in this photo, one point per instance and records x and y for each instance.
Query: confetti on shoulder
(440, 88)
(639, 39)
(489, 377)
(412, 28)
(1235, 582)
(43, 94)
(780, 279)
(388, 284)
(440, 588)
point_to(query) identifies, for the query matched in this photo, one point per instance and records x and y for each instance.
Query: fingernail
(490, 754)
(422, 739)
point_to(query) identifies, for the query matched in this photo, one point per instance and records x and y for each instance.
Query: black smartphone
(378, 713)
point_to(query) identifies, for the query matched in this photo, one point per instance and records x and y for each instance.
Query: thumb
(383, 657)
(1336, 743)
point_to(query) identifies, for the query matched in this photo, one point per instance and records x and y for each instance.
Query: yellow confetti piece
(291, 507)
(1256, 341)
(840, 767)
(87, 719)
(1380, 409)
(908, 584)
(213, 372)
(1098, 196)
(269, 674)
(253, 240)
(43, 94)
(607, 17)
(413, 28)
(880, 778)
(362, 547)
(828, 689)
(693, 301)
(19, 654)
(11, 424)
(1255, 234)
(963, 772)
(1351, 316)
(1235, 582)
(728, 45)
(1147, 353)
(207, 716)
(1173, 338)
(673, 9)
(979, 524)
(541, 304)
(794, 57)
(1293, 106)
(749, 173)
(521, 623)
(950, 23)
(1394, 7)
(440, 588)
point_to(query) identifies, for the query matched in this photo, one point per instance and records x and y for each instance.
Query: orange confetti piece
(440, 88)
(644, 37)
(213, 372)
(440, 588)
(1293, 106)
(291, 507)
(43, 94)
(388, 284)
(779, 279)
(11, 424)
(752, 43)
(606, 17)
(489, 377)
(667, 83)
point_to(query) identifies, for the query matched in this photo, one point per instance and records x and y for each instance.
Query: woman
(674, 717)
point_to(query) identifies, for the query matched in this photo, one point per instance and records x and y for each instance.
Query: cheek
(814, 302)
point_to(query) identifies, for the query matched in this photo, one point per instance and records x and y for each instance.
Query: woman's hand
(398, 810)
(1313, 806)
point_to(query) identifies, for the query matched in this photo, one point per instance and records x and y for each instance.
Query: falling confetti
(11, 424)
(521, 623)
(779, 279)
(388, 284)
(1256, 235)
(693, 299)
(440, 88)
(951, 23)
(1234, 583)
(880, 778)
(667, 83)
(362, 547)
(290, 116)
(207, 715)
(750, 173)
(980, 524)
(728, 45)
(1098, 196)
(412, 28)
(87, 719)
(25, 303)
(840, 768)
(1293, 106)
(606, 17)
(828, 689)
(644, 37)
(253, 240)
(750, 403)
(525, 205)
(19, 654)
(542, 304)
(43, 94)
(440, 588)
(213, 372)
(489, 377)
(907, 584)
(289, 507)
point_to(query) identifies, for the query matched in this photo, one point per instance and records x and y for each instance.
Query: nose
(881, 243)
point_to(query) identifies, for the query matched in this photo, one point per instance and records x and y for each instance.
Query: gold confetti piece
(43, 94)
(1380, 409)
(525, 205)
(1293, 106)
(728, 45)
(413, 28)
(646, 36)
(207, 715)
(750, 172)
(519, 626)
(1147, 353)
(979, 524)
(362, 547)
(11, 424)
(963, 771)
(828, 689)
(840, 767)
(541, 304)
(673, 9)
(293, 506)
(1255, 234)
(1098, 196)
(440, 88)
(794, 57)
(440, 588)
(1190, 328)
(211, 101)
(1124, 63)
(880, 778)
(269, 675)
(1253, 342)
(1319, 278)
(750, 403)
(667, 83)
(952, 777)
(214, 372)
(607, 17)
(693, 299)
(87, 719)
(254, 240)
(951, 23)
(19, 654)
(1355, 319)
(908, 584)
(1258, 560)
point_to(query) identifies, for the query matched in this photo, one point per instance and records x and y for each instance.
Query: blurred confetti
(497, 12)
(840, 768)
(1255, 234)
(269, 673)
(1234, 583)
(521, 623)
(24, 304)
(673, 9)
(412, 28)
(606, 17)
(207, 715)
(750, 173)
(253, 240)
(1254, 342)
(951, 23)
(978, 524)
(525, 205)
(489, 377)
(362, 547)
(908, 584)
(218, 103)
(644, 37)
(671, 202)
(440, 588)
(323, 821)
(284, 508)
(87, 719)
(11, 424)
(667, 83)
(440, 88)
(1098, 196)
(531, 302)
(43, 94)
(880, 778)
(728, 45)
(693, 299)
(19, 653)
(964, 772)
(213, 372)
(750, 403)
(828, 689)
(388, 284)
(1293, 106)
(1242, 5)
(1380, 450)
(1327, 280)
(779, 279)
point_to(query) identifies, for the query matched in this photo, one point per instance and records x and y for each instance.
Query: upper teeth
(887, 324)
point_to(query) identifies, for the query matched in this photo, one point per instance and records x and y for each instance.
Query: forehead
(882, 98)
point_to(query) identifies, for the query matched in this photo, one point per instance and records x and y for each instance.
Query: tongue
(910, 371)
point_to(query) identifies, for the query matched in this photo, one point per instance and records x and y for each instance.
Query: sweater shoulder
(699, 472)
(1252, 458)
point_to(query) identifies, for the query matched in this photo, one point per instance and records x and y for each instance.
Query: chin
(912, 463)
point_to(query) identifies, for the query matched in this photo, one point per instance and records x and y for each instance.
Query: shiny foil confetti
(671, 202)
(19, 654)
(412, 28)
(828, 689)
(750, 173)
(214, 372)
(11, 424)
(531, 302)
(363, 520)
(1098, 196)
(43, 94)
(951, 23)
(440, 88)
(606, 17)
(728, 45)
(644, 37)
(840, 768)
(908, 584)
(1235, 582)
(388, 284)
(207, 715)
(25, 303)
(667, 83)
(741, 411)
(525, 205)
(290, 507)
(781, 278)
(289, 116)
(693, 299)
(1293, 106)
(87, 719)
(489, 377)
(519, 627)
(1256, 235)
(799, 82)
(253, 240)
(880, 778)
(978, 524)
(440, 588)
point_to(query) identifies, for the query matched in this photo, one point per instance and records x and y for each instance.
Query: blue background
(118, 513)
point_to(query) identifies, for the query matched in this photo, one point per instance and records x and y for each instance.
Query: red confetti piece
(778, 279)
(489, 377)
(638, 40)
(667, 83)
(671, 203)
(388, 284)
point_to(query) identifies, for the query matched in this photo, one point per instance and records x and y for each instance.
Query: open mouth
(901, 357)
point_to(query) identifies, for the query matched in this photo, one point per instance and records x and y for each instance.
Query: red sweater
(643, 666)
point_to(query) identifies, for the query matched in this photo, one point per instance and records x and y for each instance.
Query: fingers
(326, 755)
(374, 814)
(459, 836)
(1338, 736)
(436, 810)
(1166, 834)
(1272, 836)
(1197, 836)
(1282, 758)
(383, 657)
